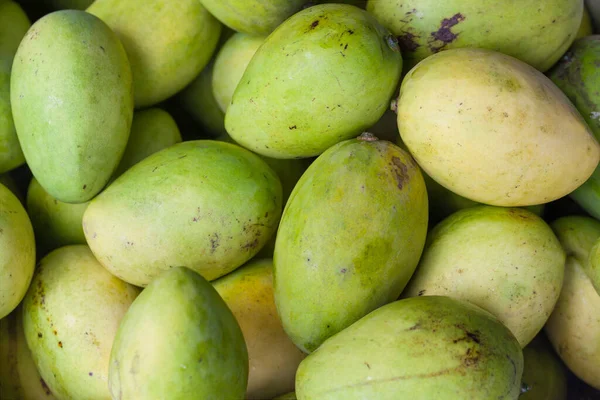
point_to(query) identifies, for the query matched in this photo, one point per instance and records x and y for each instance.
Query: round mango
(420, 348)
(204, 204)
(323, 76)
(72, 138)
(535, 32)
(70, 315)
(504, 260)
(167, 42)
(493, 129)
(17, 255)
(178, 341)
(349, 239)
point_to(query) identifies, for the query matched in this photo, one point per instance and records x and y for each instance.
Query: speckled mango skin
(574, 326)
(504, 260)
(253, 17)
(17, 255)
(14, 23)
(493, 129)
(205, 204)
(273, 358)
(280, 108)
(535, 32)
(72, 139)
(230, 64)
(168, 43)
(544, 375)
(178, 341)
(70, 315)
(349, 239)
(421, 348)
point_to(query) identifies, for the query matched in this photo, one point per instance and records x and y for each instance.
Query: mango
(196, 349)
(17, 255)
(253, 17)
(168, 43)
(539, 34)
(593, 266)
(19, 377)
(204, 204)
(419, 348)
(574, 326)
(280, 108)
(70, 315)
(544, 375)
(151, 130)
(72, 139)
(477, 121)
(349, 239)
(14, 23)
(585, 28)
(504, 260)
(230, 64)
(273, 358)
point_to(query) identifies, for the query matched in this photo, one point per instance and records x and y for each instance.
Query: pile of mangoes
(260, 199)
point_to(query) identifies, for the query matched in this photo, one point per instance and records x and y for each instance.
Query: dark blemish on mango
(55, 333)
(343, 270)
(181, 157)
(102, 48)
(293, 127)
(45, 387)
(407, 42)
(214, 242)
(314, 24)
(84, 186)
(415, 327)
(251, 245)
(91, 374)
(400, 171)
(367, 364)
(421, 293)
(40, 334)
(350, 31)
(471, 358)
(60, 345)
(439, 39)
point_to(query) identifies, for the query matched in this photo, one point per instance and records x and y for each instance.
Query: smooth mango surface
(205, 204)
(544, 375)
(72, 139)
(168, 43)
(283, 109)
(421, 348)
(363, 191)
(196, 349)
(493, 129)
(70, 315)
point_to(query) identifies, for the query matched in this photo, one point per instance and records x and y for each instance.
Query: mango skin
(152, 130)
(72, 139)
(348, 52)
(17, 255)
(253, 17)
(544, 375)
(349, 239)
(420, 348)
(70, 315)
(574, 326)
(168, 43)
(14, 23)
(475, 121)
(273, 358)
(539, 33)
(205, 204)
(230, 64)
(504, 260)
(196, 350)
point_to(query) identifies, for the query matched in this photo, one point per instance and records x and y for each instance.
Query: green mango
(230, 64)
(205, 204)
(70, 315)
(19, 377)
(196, 349)
(55, 223)
(17, 257)
(539, 34)
(168, 43)
(69, 4)
(151, 131)
(72, 139)
(351, 234)
(544, 375)
(593, 266)
(14, 23)
(585, 28)
(253, 17)
(273, 358)
(421, 348)
(504, 260)
(476, 120)
(305, 111)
